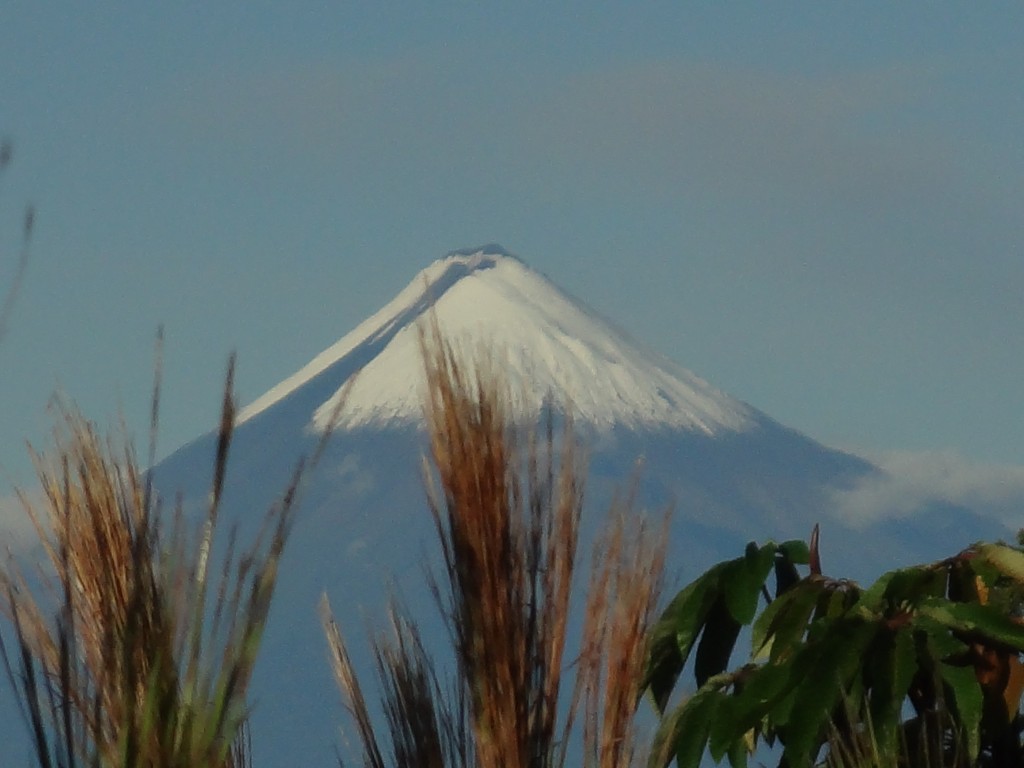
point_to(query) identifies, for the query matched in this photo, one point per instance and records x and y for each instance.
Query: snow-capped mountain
(547, 342)
(731, 473)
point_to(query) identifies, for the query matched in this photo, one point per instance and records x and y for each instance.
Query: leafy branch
(926, 652)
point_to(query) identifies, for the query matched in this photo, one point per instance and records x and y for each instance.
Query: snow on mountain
(546, 342)
(730, 473)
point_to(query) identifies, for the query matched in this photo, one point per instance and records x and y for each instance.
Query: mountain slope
(730, 472)
(547, 342)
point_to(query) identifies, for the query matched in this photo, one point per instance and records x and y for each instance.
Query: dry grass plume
(130, 653)
(507, 503)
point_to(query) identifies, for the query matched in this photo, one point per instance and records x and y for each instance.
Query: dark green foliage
(930, 649)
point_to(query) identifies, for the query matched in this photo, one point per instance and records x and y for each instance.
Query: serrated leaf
(986, 620)
(763, 627)
(912, 585)
(893, 671)
(839, 659)
(873, 598)
(667, 734)
(684, 733)
(719, 739)
(799, 668)
(968, 702)
(941, 644)
(833, 605)
(785, 621)
(762, 691)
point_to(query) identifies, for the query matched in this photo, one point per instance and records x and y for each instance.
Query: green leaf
(674, 634)
(986, 620)
(724, 730)
(796, 551)
(941, 644)
(987, 577)
(786, 576)
(911, 585)
(873, 598)
(784, 621)
(738, 755)
(1007, 560)
(893, 669)
(837, 660)
(716, 642)
(837, 598)
(684, 732)
(759, 695)
(968, 701)
(743, 580)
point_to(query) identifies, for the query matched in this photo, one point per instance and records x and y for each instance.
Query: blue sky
(816, 206)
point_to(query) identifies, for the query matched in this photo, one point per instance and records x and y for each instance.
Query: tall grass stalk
(628, 564)
(130, 653)
(507, 511)
(924, 742)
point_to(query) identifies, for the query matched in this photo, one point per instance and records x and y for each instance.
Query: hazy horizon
(816, 209)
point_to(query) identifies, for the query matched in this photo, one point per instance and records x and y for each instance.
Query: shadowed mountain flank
(647, 427)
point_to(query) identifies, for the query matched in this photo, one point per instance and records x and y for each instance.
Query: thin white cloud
(912, 481)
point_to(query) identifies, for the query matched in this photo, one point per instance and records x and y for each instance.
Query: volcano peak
(547, 342)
